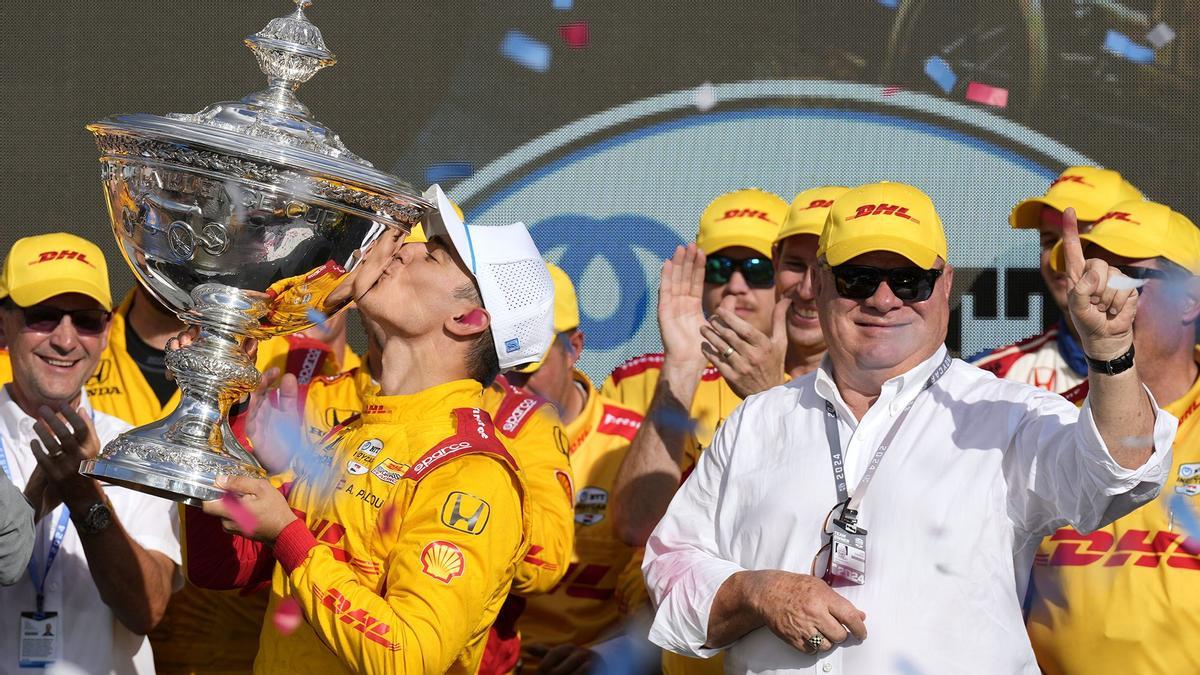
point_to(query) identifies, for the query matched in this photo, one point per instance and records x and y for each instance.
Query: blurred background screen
(608, 126)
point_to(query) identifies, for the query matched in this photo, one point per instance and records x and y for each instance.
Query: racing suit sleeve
(447, 573)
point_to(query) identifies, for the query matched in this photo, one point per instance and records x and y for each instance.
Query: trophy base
(147, 460)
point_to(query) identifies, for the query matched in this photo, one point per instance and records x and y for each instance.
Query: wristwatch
(1118, 365)
(96, 520)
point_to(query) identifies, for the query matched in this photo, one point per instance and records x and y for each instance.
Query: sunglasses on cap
(757, 271)
(859, 282)
(45, 319)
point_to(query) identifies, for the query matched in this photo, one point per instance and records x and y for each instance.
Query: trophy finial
(290, 50)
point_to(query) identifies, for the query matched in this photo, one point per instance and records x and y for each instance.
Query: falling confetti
(1160, 35)
(563, 5)
(1137, 441)
(245, 520)
(444, 171)
(940, 72)
(892, 90)
(287, 616)
(387, 519)
(705, 97)
(1119, 44)
(1120, 282)
(575, 35)
(526, 51)
(316, 316)
(987, 94)
(905, 667)
(1181, 509)
(890, 4)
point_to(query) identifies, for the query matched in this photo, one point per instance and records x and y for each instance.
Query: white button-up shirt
(92, 637)
(979, 472)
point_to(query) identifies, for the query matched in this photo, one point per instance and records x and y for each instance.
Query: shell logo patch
(443, 561)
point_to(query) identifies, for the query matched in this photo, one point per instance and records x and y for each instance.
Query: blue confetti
(890, 4)
(1121, 45)
(444, 171)
(1181, 509)
(939, 71)
(905, 667)
(526, 51)
(315, 316)
(563, 5)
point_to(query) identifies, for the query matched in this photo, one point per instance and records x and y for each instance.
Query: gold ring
(727, 353)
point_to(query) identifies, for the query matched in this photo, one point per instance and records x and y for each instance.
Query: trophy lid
(269, 136)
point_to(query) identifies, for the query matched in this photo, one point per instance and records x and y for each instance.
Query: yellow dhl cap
(47, 265)
(749, 218)
(883, 217)
(1139, 229)
(809, 211)
(566, 311)
(1090, 190)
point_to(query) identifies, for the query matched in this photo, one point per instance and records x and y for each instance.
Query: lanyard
(850, 513)
(60, 533)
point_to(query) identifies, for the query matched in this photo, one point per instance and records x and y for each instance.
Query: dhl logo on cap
(747, 213)
(66, 254)
(817, 204)
(883, 210)
(1070, 178)
(1123, 216)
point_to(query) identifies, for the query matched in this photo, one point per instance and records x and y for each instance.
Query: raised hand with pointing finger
(1102, 312)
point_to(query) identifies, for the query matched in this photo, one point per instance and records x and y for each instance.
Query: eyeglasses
(45, 319)
(757, 271)
(859, 282)
(1143, 272)
(820, 562)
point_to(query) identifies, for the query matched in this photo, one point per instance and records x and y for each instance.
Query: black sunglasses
(45, 319)
(757, 271)
(859, 282)
(1143, 272)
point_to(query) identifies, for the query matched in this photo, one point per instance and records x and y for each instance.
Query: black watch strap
(1118, 365)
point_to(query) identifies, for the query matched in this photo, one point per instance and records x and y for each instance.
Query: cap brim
(39, 291)
(1122, 246)
(1027, 215)
(444, 221)
(720, 243)
(922, 256)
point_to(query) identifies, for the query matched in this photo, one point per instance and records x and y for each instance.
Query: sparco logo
(480, 427)
(438, 455)
(519, 413)
(610, 418)
(311, 358)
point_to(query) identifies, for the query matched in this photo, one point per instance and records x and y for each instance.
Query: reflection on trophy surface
(247, 219)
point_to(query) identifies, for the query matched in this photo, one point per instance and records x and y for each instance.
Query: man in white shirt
(106, 559)
(774, 550)
(16, 532)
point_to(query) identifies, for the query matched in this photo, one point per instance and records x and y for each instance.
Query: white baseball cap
(516, 287)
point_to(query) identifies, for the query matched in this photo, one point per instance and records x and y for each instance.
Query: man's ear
(947, 280)
(1191, 303)
(574, 344)
(469, 324)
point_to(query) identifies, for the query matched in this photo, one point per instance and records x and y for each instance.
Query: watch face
(98, 518)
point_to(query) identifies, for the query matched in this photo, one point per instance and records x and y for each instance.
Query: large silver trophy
(247, 219)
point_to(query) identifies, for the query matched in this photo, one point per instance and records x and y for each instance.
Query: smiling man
(966, 472)
(106, 557)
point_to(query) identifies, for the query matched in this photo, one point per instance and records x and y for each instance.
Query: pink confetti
(287, 616)
(892, 90)
(575, 34)
(387, 519)
(987, 94)
(245, 520)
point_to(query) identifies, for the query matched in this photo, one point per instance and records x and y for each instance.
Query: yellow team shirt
(415, 525)
(632, 384)
(1126, 598)
(604, 581)
(533, 434)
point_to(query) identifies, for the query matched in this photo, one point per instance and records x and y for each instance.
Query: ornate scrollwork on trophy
(245, 219)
